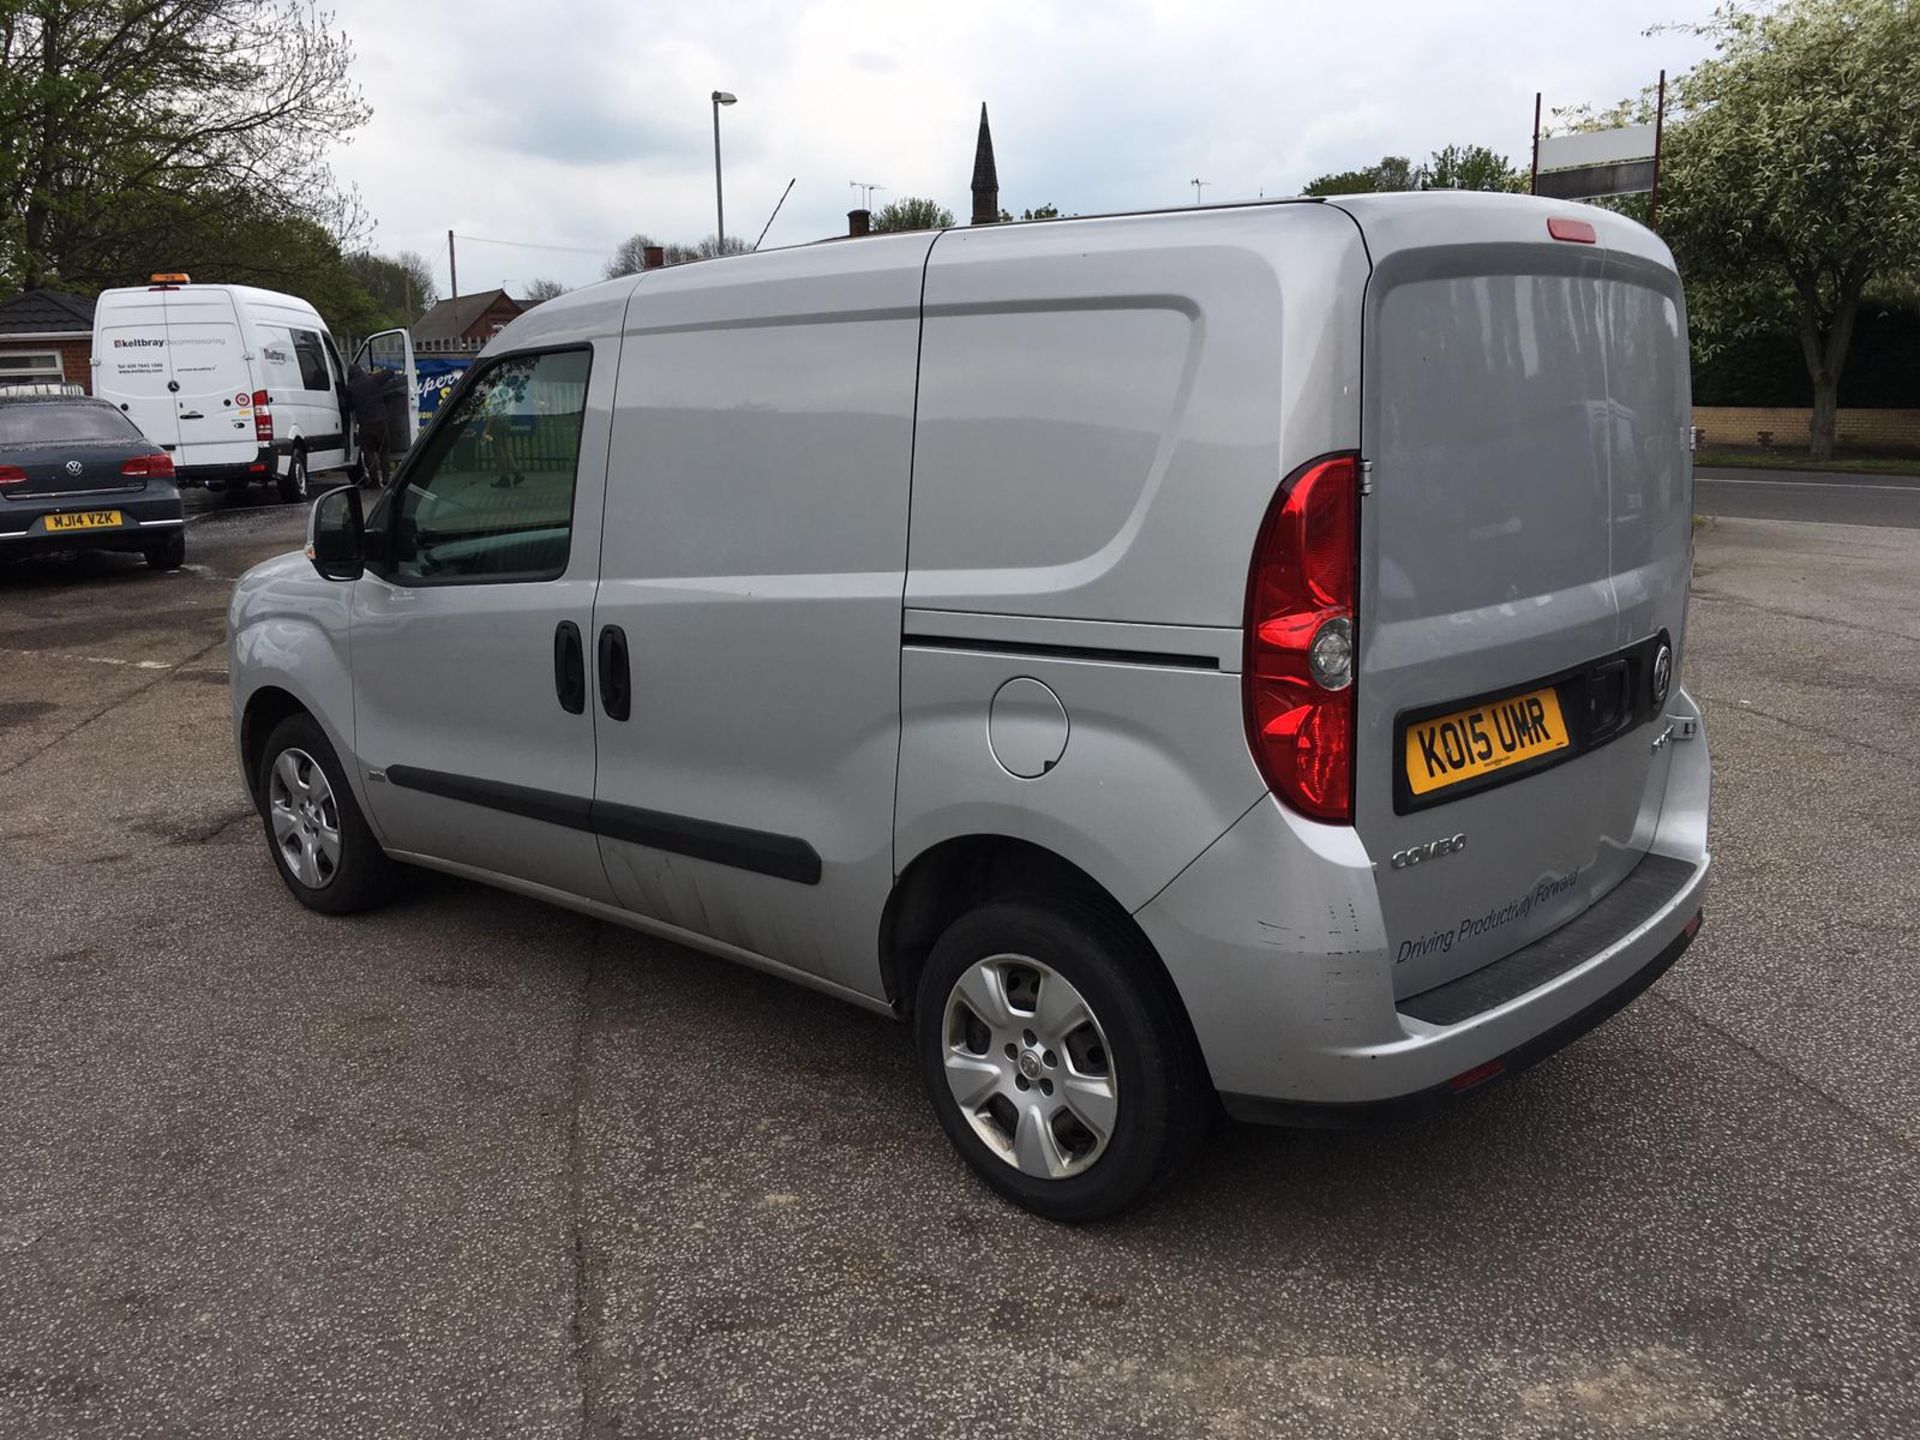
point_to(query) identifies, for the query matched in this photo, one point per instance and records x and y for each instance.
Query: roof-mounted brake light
(1578, 231)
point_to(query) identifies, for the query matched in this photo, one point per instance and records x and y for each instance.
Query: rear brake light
(1298, 675)
(153, 467)
(11, 475)
(262, 418)
(1578, 231)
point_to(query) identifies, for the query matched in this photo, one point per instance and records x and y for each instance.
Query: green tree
(1457, 167)
(1470, 167)
(132, 127)
(912, 212)
(1043, 212)
(401, 285)
(1790, 178)
(1394, 172)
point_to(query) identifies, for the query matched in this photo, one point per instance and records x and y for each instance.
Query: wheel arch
(957, 875)
(265, 708)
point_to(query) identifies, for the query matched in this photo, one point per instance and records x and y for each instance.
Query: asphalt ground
(1808, 495)
(470, 1166)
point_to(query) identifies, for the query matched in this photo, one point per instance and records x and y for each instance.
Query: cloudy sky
(574, 123)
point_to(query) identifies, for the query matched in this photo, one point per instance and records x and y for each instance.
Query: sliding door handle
(569, 667)
(616, 680)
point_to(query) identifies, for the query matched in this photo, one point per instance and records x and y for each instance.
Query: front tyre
(1056, 1058)
(320, 842)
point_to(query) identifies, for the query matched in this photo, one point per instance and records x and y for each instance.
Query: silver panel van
(1224, 659)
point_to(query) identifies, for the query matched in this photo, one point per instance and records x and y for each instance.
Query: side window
(312, 359)
(280, 365)
(491, 498)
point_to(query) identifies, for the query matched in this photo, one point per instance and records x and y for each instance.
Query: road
(1808, 495)
(473, 1167)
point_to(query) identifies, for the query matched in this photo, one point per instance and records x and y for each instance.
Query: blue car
(76, 474)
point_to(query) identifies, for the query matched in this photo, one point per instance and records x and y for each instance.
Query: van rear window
(58, 424)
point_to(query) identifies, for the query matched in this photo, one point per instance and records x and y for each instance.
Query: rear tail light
(262, 418)
(152, 467)
(1298, 675)
(12, 475)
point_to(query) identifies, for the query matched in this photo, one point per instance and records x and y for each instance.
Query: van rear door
(1525, 554)
(212, 378)
(130, 346)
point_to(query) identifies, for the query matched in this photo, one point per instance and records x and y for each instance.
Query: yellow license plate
(84, 520)
(1478, 741)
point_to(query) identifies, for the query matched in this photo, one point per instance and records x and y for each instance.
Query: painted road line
(1824, 487)
(94, 659)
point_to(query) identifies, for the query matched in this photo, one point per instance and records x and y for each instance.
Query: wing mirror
(337, 535)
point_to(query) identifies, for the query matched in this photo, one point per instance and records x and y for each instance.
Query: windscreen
(62, 424)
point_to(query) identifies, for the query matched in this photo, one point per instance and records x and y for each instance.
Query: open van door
(393, 350)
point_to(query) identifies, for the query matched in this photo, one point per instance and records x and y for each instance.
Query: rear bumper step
(1647, 890)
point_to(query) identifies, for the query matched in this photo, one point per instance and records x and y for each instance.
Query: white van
(237, 384)
(1216, 658)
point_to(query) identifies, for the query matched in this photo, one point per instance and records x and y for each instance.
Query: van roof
(250, 293)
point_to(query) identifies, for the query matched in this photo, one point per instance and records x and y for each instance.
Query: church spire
(986, 179)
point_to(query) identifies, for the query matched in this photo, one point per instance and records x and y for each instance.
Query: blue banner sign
(437, 377)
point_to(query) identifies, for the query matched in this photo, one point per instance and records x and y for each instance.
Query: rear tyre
(1058, 1064)
(320, 842)
(168, 554)
(296, 483)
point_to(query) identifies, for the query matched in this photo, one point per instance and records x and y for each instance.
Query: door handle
(616, 680)
(569, 667)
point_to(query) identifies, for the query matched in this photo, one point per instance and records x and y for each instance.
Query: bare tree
(545, 289)
(630, 256)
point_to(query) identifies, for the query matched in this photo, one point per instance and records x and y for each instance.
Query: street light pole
(720, 97)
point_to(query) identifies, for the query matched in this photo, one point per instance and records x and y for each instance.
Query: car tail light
(12, 475)
(1298, 675)
(153, 467)
(262, 418)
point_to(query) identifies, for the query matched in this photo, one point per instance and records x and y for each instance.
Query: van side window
(313, 361)
(491, 497)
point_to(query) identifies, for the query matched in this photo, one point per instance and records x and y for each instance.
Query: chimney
(859, 222)
(653, 258)
(986, 179)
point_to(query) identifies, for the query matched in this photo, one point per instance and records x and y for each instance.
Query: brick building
(462, 325)
(47, 335)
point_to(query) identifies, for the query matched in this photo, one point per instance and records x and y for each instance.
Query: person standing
(370, 424)
(397, 412)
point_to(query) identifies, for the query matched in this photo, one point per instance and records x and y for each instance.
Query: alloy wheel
(305, 818)
(1029, 1066)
